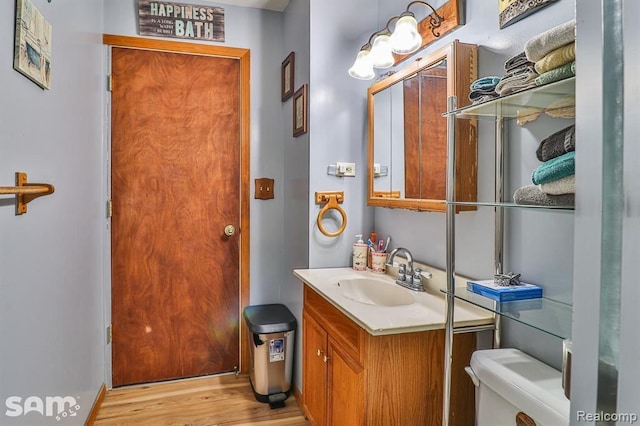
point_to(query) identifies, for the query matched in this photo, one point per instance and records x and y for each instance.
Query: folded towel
(520, 79)
(554, 169)
(557, 74)
(538, 46)
(566, 185)
(483, 83)
(475, 94)
(557, 144)
(516, 61)
(562, 55)
(485, 98)
(532, 196)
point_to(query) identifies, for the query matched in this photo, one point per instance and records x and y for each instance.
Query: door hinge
(109, 209)
(109, 334)
(110, 83)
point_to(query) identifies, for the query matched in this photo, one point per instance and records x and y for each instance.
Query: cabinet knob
(319, 352)
(325, 358)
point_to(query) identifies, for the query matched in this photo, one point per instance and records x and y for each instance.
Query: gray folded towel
(557, 144)
(475, 94)
(516, 61)
(531, 195)
(522, 78)
(538, 46)
(484, 98)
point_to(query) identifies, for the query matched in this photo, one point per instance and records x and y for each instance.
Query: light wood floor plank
(219, 400)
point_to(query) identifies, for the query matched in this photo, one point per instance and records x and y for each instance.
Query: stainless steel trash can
(272, 330)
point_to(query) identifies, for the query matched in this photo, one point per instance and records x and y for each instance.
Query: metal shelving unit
(544, 314)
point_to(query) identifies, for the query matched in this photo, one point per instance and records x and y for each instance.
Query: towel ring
(332, 200)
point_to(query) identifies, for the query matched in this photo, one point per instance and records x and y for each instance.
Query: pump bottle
(360, 251)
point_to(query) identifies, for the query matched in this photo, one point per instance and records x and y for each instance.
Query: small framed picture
(32, 53)
(511, 11)
(287, 76)
(300, 111)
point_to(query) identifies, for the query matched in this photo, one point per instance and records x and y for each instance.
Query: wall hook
(332, 200)
(25, 192)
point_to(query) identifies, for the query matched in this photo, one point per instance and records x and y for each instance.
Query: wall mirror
(407, 146)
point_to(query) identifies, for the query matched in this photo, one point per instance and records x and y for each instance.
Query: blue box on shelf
(510, 293)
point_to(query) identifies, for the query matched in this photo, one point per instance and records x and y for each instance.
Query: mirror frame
(461, 72)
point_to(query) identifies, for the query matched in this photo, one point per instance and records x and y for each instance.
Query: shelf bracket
(25, 192)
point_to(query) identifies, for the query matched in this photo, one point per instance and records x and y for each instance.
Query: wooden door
(314, 349)
(346, 388)
(175, 186)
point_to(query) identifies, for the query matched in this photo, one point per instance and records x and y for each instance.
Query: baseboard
(93, 414)
(298, 395)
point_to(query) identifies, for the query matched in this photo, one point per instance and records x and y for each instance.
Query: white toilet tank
(509, 382)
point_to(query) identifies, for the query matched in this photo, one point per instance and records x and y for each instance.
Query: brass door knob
(229, 230)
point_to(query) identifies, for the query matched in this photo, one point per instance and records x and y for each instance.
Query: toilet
(512, 385)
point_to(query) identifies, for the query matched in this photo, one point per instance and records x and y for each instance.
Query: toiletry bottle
(360, 250)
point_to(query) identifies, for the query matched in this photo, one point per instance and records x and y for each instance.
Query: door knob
(229, 230)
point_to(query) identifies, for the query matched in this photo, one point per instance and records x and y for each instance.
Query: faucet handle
(408, 274)
(402, 272)
(417, 277)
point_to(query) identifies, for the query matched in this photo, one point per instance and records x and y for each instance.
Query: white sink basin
(375, 292)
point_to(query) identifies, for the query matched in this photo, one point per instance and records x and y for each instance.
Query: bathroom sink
(374, 292)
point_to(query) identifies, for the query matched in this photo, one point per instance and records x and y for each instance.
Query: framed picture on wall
(287, 76)
(300, 111)
(511, 11)
(32, 44)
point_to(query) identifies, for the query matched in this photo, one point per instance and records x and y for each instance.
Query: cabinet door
(346, 388)
(314, 372)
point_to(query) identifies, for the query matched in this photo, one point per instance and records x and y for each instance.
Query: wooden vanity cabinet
(351, 377)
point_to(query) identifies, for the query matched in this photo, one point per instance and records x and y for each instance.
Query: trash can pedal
(276, 400)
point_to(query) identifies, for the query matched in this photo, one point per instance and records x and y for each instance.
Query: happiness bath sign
(194, 22)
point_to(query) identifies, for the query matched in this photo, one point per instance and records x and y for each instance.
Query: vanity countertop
(426, 313)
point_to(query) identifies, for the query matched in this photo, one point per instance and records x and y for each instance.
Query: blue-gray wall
(295, 195)
(337, 124)
(51, 301)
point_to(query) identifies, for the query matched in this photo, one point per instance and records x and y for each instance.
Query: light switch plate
(264, 189)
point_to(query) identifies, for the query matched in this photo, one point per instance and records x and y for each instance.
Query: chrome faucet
(406, 276)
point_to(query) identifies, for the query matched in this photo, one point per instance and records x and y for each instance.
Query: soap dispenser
(360, 251)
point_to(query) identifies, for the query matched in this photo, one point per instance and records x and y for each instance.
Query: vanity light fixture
(405, 39)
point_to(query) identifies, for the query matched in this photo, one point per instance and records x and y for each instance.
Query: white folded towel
(565, 185)
(538, 46)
